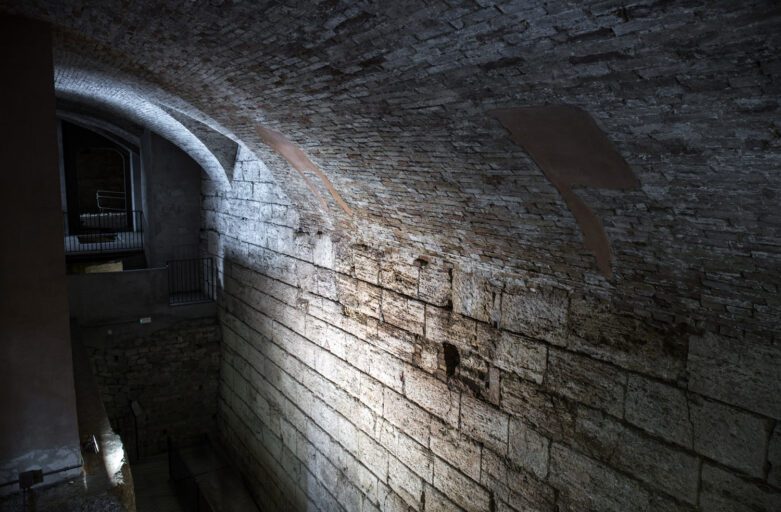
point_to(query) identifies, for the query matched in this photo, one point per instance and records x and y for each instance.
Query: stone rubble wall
(172, 373)
(361, 377)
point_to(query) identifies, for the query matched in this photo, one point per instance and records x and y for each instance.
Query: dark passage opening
(452, 358)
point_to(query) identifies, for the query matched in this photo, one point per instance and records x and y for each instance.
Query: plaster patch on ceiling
(223, 148)
(572, 152)
(302, 164)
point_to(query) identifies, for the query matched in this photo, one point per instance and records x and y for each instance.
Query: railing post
(191, 281)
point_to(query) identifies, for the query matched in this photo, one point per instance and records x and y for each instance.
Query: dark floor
(153, 491)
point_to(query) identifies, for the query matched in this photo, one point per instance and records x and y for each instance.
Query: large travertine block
(547, 413)
(723, 491)
(536, 311)
(443, 326)
(586, 380)
(461, 490)
(454, 447)
(360, 296)
(737, 372)
(399, 276)
(404, 313)
(514, 353)
(408, 417)
(774, 457)
(626, 340)
(435, 283)
(406, 484)
(585, 484)
(657, 464)
(659, 409)
(484, 423)
(410, 452)
(475, 296)
(730, 436)
(528, 449)
(513, 487)
(432, 394)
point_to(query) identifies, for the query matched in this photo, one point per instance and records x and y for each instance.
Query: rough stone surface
(658, 465)
(774, 457)
(732, 437)
(659, 409)
(585, 484)
(170, 374)
(587, 381)
(528, 449)
(723, 491)
(737, 373)
(457, 241)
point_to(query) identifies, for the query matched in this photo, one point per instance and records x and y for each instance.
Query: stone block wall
(451, 345)
(357, 376)
(171, 372)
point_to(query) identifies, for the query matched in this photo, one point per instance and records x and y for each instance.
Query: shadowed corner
(572, 151)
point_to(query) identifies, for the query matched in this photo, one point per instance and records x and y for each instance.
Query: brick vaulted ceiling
(390, 101)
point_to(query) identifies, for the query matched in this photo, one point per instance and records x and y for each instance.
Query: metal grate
(191, 281)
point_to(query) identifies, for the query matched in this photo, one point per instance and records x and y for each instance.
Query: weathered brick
(171, 372)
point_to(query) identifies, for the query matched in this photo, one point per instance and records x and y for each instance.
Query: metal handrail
(191, 281)
(104, 232)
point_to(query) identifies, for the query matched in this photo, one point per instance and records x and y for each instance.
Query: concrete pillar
(171, 181)
(38, 423)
